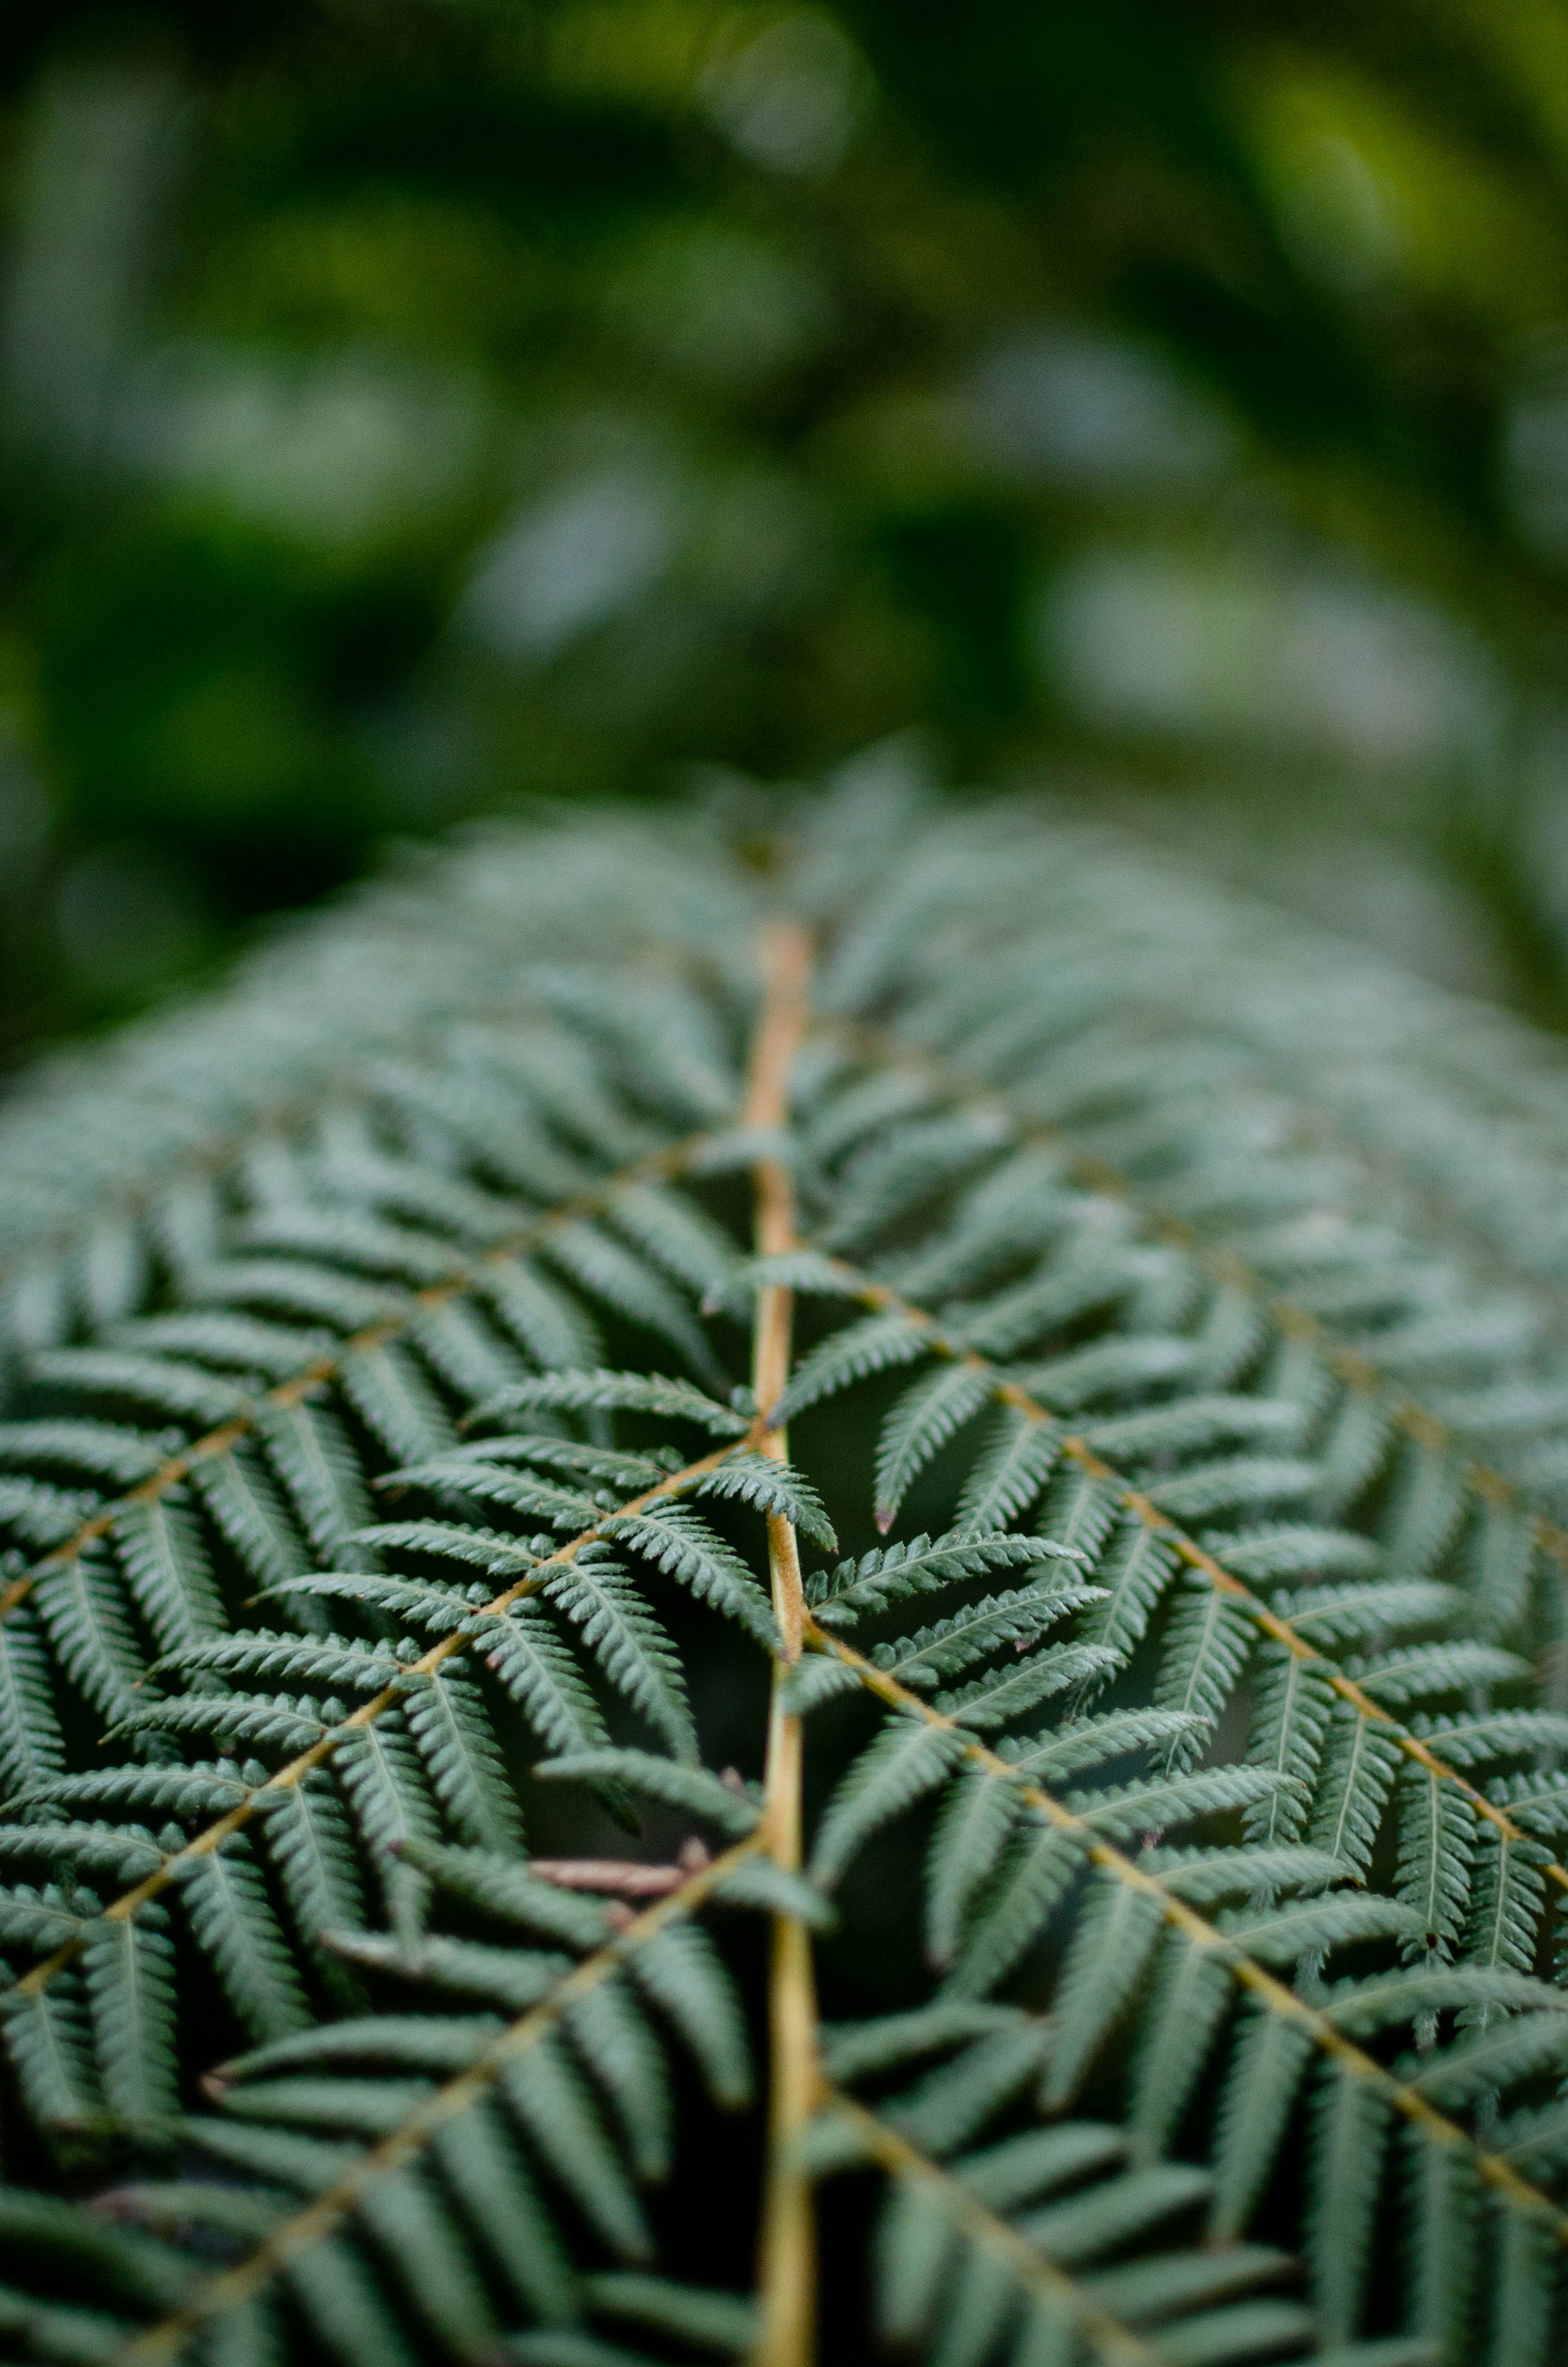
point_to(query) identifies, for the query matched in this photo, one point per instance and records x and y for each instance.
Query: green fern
(1133, 1699)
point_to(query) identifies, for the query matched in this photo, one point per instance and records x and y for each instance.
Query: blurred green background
(406, 405)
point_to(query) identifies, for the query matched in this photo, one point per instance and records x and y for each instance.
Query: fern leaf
(1112, 1949)
(552, 2104)
(1083, 1742)
(1444, 2264)
(626, 1283)
(1081, 1509)
(1361, 1764)
(920, 1424)
(906, 1760)
(770, 1487)
(452, 1733)
(83, 1618)
(1507, 1901)
(306, 1838)
(757, 1882)
(1438, 1669)
(1230, 1272)
(237, 1491)
(1522, 2304)
(616, 2045)
(691, 1788)
(377, 1771)
(679, 1970)
(1015, 1907)
(1350, 2136)
(1011, 1473)
(1436, 1831)
(710, 2321)
(688, 1245)
(1192, 1993)
(413, 2228)
(343, 2305)
(1133, 1810)
(528, 1657)
(990, 1700)
(547, 1323)
(32, 1748)
(1135, 1572)
(628, 1641)
(887, 1574)
(464, 1477)
(679, 1542)
(1301, 1933)
(234, 1925)
(1292, 1713)
(175, 1390)
(501, 1885)
(875, 1345)
(311, 1458)
(950, 1646)
(1269, 2066)
(478, 1974)
(50, 2047)
(953, 2104)
(107, 1451)
(1208, 1643)
(128, 1972)
(492, 2183)
(648, 1393)
(390, 1394)
(972, 1831)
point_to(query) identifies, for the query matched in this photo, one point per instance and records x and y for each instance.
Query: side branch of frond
(1273, 1993)
(1110, 2340)
(1354, 1367)
(653, 1166)
(213, 1836)
(878, 1296)
(232, 2286)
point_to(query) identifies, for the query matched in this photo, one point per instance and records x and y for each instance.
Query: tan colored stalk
(786, 2261)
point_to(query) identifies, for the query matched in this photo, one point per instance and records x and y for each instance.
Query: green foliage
(415, 407)
(1177, 1480)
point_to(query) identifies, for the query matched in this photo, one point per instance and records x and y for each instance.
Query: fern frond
(1200, 1769)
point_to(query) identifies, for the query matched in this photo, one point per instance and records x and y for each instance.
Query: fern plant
(775, 1591)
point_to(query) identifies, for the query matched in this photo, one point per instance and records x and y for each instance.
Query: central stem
(787, 2268)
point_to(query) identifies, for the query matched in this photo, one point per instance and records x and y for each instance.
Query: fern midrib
(1358, 1370)
(787, 2262)
(658, 1165)
(882, 1299)
(1272, 1993)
